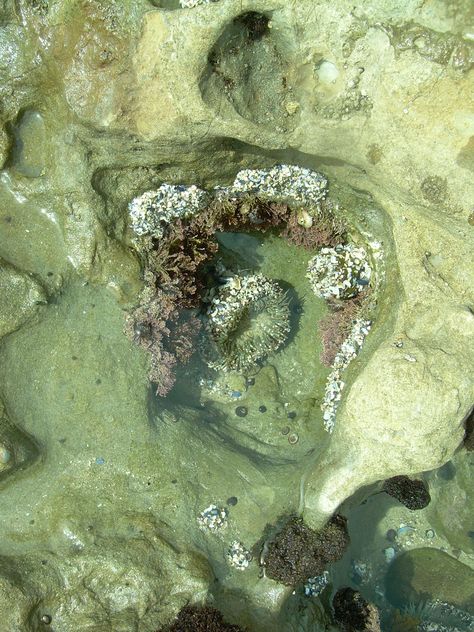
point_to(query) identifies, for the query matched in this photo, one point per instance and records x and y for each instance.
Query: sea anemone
(248, 319)
(438, 615)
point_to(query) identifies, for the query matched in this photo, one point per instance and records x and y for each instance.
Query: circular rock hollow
(247, 73)
(256, 338)
(119, 484)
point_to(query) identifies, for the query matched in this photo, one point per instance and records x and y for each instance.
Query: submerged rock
(428, 574)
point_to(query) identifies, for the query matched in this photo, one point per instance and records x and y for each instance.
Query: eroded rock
(20, 297)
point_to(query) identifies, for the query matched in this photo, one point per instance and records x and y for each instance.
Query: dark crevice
(246, 72)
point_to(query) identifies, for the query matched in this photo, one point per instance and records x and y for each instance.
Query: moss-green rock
(20, 296)
(427, 575)
(130, 95)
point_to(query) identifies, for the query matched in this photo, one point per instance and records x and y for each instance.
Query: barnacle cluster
(247, 320)
(281, 182)
(238, 556)
(339, 272)
(213, 518)
(152, 211)
(314, 586)
(334, 383)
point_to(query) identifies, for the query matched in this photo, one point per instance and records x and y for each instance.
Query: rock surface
(19, 298)
(125, 96)
(429, 575)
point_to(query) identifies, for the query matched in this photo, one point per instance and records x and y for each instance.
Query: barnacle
(248, 319)
(339, 272)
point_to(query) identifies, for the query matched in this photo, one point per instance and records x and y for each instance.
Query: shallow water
(111, 456)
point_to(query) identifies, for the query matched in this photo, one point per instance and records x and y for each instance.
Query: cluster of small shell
(153, 210)
(248, 319)
(334, 383)
(314, 586)
(281, 182)
(238, 556)
(190, 4)
(213, 518)
(339, 272)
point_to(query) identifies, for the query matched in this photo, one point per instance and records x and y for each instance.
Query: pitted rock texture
(126, 96)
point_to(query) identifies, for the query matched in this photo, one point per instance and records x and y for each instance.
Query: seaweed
(413, 494)
(336, 325)
(200, 619)
(353, 613)
(298, 552)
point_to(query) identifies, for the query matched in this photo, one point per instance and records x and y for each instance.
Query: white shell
(305, 219)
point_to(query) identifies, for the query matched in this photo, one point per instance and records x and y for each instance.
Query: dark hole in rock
(247, 72)
(469, 434)
(255, 23)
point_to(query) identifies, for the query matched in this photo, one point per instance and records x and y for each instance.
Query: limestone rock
(134, 94)
(20, 296)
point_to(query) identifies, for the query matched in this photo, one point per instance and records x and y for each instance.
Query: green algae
(132, 496)
(106, 465)
(31, 238)
(20, 297)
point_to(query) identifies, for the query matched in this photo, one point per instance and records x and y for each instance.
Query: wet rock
(117, 74)
(20, 296)
(4, 144)
(17, 449)
(28, 156)
(412, 493)
(298, 552)
(451, 510)
(429, 574)
(354, 613)
(15, 604)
